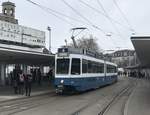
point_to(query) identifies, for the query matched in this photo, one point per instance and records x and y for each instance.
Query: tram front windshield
(62, 66)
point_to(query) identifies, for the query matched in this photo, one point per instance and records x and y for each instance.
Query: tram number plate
(60, 86)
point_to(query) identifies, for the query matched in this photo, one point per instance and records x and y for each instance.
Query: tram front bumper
(59, 88)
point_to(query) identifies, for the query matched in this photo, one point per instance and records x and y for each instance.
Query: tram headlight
(62, 81)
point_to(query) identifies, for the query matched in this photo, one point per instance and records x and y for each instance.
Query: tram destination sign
(63, 54)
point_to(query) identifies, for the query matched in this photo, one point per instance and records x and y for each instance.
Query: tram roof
(71, 50)
(142, 48)
(94, 55)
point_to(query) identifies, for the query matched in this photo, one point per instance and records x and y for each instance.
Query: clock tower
(8, 12)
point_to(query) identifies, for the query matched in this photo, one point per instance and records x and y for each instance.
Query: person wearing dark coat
(28, 83)
(39, 76)
(50, 75)
(21, 83)
(15, 74)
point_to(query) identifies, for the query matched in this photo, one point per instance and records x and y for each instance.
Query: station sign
(21, 34)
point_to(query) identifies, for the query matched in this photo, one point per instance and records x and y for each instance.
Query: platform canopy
(11, 56)
(142, 48)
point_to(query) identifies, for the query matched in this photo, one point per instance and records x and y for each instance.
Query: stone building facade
(124, 58)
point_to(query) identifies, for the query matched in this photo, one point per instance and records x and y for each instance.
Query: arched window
(12, 12)
(5, 11)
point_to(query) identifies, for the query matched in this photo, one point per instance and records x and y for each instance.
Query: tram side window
(111, 69)
(89, 66)
(95, 67)
(100, 68)
(84, 66)
(94, 70)
(75, 67)
(115, 68)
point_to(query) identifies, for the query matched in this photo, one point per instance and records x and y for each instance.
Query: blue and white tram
(76, 71)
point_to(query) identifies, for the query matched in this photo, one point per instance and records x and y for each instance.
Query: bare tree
(88, 43)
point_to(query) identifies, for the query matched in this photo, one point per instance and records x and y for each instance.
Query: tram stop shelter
(142, 48)
(21, 55)
(11, 56)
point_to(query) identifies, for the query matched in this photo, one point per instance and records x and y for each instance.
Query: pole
(49, 30)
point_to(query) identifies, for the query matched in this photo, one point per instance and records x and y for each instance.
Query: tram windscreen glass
(62, 66)
(75, 66)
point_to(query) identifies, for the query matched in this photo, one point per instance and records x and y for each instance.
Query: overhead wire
(62, 14)
(123, 15)
(78, 13)
(100, 4)
(54, 12)
(108, 17)
(83, 17)
(45, 9)
(105, 13)
(98, 11)
(78, 33)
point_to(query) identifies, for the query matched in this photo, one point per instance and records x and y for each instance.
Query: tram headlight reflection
(62, 81)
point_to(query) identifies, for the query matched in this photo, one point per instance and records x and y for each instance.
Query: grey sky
(136, 11)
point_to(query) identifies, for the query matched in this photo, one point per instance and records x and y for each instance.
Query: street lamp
(66, 42)
(49, 29)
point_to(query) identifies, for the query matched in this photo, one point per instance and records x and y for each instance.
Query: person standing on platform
(28, 83)
(21, 83)
(15, 85)
(16, 73)
(51, 75)
(39, 76)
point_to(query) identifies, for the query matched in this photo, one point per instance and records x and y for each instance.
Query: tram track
(125, 91)
(15, 106)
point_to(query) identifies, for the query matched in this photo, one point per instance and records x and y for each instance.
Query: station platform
(7, 92)
(139, 101)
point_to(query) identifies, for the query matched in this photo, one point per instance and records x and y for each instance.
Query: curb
(125, 112)
(25, 97)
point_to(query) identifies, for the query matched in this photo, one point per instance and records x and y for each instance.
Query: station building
(20, 45)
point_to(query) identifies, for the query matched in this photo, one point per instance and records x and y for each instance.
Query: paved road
(88, 103)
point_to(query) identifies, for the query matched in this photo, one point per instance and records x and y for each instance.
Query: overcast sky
(137, 13)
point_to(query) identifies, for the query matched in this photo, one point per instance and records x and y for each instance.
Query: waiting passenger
(28, 82)
(21, 83)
